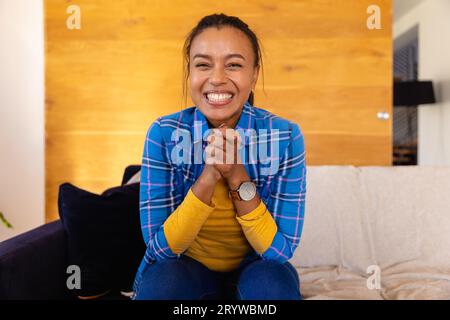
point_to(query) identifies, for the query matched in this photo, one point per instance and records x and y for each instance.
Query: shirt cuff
(192, 199)
(250, 218)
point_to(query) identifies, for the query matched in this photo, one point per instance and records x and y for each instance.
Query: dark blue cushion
(129, 172)
(103, 236)
(33, 264)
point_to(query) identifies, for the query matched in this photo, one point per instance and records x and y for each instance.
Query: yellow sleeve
(259, 227)
(183, 225)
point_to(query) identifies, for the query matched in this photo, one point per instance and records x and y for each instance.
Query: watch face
(247, 191)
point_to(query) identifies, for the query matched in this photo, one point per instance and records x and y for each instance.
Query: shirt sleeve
(183, 225)
(259, 227)
(159, 195)
(286, 201)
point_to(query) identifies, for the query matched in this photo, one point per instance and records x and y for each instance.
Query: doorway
(405, 121)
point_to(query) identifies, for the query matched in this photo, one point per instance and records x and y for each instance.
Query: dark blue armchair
(33, 264)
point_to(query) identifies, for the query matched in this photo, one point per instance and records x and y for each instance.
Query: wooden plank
(91, 161)
(323, 148)
(142, 20)
(106, 83)
(125, 81)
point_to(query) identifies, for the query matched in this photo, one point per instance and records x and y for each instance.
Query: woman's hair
(218, 21)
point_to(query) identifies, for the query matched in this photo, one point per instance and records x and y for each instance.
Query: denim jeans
(185, 278)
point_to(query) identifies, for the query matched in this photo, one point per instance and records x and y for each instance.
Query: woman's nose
(218, 76)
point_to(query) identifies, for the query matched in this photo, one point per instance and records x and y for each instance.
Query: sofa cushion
(103, 235)
(335, 283)
(335, 230)
(396, 218)
(409, 215)
(129, 172)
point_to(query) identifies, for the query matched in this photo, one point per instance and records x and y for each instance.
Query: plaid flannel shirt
(165, 183)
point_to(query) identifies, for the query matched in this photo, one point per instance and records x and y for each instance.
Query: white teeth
(214, 97)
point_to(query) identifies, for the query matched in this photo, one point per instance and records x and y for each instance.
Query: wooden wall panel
(106, 83)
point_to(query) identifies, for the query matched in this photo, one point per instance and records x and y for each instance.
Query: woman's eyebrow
(231, 55)
(235, 55)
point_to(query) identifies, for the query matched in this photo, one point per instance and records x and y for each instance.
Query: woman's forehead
(221, 42)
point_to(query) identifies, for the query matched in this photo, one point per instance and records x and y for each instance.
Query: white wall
(22, 183)
(433, 20)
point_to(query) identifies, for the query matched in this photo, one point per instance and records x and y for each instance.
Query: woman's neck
(230, 123)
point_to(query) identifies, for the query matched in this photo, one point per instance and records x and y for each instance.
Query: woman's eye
(231, 65)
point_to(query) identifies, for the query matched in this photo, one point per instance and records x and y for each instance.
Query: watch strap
(234, 195)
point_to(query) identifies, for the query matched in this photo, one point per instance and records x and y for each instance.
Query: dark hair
(218, 21)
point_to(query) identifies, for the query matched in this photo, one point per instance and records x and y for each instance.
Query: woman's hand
(210, 175)
(203, 188)
(222, 153)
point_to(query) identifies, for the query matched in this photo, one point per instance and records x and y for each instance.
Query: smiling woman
(222, 65)
(214, 229)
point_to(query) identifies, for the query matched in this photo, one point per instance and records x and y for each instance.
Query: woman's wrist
(203, 188)
(237, 177)
(207, 181)
(209, 176)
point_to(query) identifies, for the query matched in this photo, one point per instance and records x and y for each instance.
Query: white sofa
(394, 219)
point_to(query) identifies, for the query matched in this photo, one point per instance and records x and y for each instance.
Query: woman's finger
(227, 153)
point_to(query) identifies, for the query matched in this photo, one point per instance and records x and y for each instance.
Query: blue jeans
(185, 278)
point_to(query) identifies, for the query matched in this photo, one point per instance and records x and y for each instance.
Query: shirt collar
(245, 122)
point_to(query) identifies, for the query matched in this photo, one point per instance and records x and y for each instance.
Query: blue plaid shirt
(165, 182)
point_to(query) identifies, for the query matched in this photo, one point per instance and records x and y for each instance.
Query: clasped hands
(222, 153)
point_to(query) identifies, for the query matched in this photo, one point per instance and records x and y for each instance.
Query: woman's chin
(219, 115)
(215, 116)
(217, 122)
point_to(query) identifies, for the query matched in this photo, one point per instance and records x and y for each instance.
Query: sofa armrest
(33, 264)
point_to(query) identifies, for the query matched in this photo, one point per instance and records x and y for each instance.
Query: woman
(221, 229)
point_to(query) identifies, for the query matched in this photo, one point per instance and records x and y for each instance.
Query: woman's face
(222, 74)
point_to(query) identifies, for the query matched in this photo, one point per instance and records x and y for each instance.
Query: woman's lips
(218, 103)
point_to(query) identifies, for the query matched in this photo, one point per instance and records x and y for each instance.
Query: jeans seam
(138, 281)
(239, 293)
(136, 291)
(291, 272)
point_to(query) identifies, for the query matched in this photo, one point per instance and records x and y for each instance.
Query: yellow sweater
(214, 235)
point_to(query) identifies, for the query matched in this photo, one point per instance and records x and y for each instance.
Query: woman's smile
(223, 73)
(218, 99)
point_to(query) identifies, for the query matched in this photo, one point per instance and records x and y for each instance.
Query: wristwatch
(245, 192)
